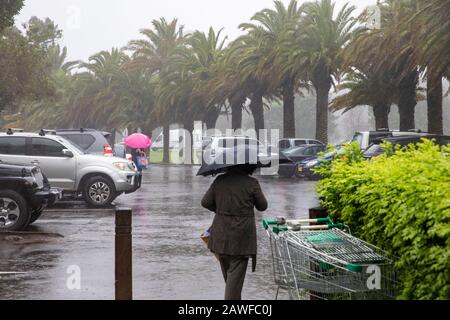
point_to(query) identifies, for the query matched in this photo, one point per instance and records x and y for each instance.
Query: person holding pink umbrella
(138, 142)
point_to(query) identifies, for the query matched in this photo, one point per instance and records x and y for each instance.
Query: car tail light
(107, 151)
(129, 157)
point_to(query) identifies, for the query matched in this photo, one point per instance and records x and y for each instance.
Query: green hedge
(400, 202)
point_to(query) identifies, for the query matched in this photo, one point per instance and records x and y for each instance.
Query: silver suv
(98, 179)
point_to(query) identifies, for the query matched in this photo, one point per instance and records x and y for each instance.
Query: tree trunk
(257, 109)
(166, 140)
(381, 114)
(237, 103)
(189, 127)
(322, 83)
(434, 100)
(288, 110)
(407, 101)
(211, 117)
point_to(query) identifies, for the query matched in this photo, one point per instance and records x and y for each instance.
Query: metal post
(123, 255)
(317, 212)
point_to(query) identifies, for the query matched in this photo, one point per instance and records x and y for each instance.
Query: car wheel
(14, 212)
(99, 191)
(36, 214)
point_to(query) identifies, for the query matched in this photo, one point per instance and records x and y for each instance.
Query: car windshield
(358, 137)
(67, 142)
(295, 151)
(373, 150)
(331, 154)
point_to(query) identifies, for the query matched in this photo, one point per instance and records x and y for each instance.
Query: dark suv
(375, 149)
(24, 193)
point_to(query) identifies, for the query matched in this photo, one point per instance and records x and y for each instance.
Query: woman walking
(233, 197)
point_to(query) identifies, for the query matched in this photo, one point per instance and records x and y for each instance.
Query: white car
(218, 144)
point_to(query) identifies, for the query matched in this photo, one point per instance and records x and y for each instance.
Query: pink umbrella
(138, 141)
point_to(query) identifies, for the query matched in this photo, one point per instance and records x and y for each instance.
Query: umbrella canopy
(138, 141)
(231, 157)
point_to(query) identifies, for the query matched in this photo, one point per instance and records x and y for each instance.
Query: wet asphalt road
(169, 259)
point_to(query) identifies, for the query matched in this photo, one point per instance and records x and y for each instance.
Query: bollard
(123, 255)
(317, 212)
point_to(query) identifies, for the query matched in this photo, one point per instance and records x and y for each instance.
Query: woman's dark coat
(233, 197)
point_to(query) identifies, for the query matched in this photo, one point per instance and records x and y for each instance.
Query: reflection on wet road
(169, 259)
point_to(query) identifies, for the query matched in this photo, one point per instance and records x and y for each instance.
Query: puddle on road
(21, 238)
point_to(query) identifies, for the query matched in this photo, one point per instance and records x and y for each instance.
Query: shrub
(400, 202)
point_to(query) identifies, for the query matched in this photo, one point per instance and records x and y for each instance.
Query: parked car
(288, 143)
(218, 144)
(305, 169)
(291, 158)
(24, 193)
(98, 179)
(89, 140)
(366, 138)
(375, 149)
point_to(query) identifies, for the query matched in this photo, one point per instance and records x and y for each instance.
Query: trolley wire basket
(280, 256)
(324, 262)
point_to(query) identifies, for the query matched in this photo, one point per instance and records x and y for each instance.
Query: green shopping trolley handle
(268, 222)
(278, 229)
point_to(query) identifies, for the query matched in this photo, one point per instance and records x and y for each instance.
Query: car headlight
(124, 166)
(311, 163)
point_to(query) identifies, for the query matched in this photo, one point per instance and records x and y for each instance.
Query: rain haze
(91, 26)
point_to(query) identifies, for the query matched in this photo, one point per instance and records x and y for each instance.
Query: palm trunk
(407, 102)
(257, 109)
(236, 112)
(189, 127)
(288, 110)
(166, 140)
(381, 114)
(322, 83)
(211, 117)
(434, 100)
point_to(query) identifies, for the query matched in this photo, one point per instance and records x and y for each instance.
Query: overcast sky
(90, 26)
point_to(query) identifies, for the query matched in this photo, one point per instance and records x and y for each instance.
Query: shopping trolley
(324, 262)
(280, 256)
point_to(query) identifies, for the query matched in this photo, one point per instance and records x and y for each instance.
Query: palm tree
(152, 53)
(271, 27)
(320, 37)
(366, 89)
(183, 93)
(392, 49)
(227, 87)
(247, 52)
(97, 98)
(431, 27)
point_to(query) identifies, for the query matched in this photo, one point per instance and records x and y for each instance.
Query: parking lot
(169, 259)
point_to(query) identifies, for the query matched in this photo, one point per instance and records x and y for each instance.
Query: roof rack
(417, 131)
(11, 131)
(80, 129)
(43, 132)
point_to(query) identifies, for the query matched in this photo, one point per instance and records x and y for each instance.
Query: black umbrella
(236, 156)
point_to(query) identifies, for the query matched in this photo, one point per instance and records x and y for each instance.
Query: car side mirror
(67, 153)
